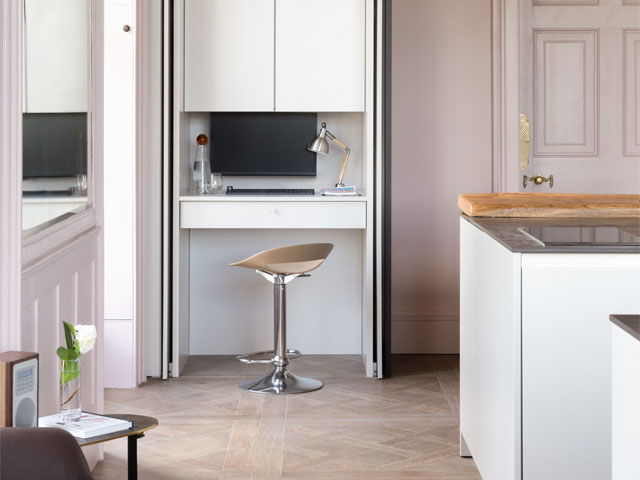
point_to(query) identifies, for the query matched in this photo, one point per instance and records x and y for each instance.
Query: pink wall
(441, 147)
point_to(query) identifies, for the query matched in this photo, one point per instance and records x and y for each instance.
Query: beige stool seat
(280, 266)
(297, 259)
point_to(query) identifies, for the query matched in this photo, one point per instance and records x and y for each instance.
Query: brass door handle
(538, 180)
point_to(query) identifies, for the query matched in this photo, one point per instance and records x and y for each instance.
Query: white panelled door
(119, 196)
(580, 78)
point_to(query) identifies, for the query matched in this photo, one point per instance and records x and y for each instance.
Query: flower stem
(71, 397)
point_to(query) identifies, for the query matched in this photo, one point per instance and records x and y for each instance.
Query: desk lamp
(321, 146)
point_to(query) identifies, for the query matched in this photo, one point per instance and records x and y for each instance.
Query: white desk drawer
(244, 214)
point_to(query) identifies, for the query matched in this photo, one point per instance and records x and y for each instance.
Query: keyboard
(270, 191)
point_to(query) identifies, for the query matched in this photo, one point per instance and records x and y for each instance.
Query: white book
(89, 425)
(339, 191)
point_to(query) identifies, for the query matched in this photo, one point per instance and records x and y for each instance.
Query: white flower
(86, 337)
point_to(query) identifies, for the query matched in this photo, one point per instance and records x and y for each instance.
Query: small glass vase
(70, 406)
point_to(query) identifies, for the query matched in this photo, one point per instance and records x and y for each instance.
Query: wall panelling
(62, 287)
(566, 92)
(631, 92)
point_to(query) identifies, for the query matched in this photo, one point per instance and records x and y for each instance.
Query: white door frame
(11, 168)
(505, 49)
(141, 127)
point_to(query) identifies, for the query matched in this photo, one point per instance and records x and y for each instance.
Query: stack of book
(89, 425)
(346, 190)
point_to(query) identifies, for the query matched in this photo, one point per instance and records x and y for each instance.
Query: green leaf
(69, 334)
(66, 353)
(68, 376)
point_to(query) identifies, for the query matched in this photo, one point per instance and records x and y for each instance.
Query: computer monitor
(260, 143)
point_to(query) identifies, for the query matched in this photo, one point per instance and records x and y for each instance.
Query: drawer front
(273, 215)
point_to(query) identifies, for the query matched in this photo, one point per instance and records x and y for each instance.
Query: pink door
(580, 89)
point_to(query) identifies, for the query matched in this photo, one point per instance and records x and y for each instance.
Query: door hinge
(170, 368)
(375, 369)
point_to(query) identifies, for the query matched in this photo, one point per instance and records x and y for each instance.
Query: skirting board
(425, 332)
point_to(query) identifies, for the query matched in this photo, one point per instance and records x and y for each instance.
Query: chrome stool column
(280, 266)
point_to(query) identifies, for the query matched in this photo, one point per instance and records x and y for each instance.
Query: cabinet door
(56, 49)
(228, 55)
(566, 360)
(320, 60)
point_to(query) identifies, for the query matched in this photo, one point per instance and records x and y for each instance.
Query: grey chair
(41, 454)
(280, 266)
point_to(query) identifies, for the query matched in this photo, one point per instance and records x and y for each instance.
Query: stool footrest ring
(247, 358)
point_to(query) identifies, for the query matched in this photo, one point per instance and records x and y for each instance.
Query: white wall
(441, 147)
(231, 308)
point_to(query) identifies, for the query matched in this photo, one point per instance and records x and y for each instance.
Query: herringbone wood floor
(404, 427)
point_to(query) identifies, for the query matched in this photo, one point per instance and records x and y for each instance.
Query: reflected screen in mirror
(54, 145)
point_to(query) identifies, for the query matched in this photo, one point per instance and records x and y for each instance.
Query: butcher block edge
(566, 205)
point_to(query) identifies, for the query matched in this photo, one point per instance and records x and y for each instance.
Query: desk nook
(304, 75)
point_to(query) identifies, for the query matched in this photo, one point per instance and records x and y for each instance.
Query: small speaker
(18, 389)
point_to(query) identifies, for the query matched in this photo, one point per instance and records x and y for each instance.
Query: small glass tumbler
(215, 185)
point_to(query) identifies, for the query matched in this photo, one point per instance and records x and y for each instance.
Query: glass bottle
(201, 167)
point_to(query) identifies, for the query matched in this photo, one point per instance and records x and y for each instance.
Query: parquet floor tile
(354, 428)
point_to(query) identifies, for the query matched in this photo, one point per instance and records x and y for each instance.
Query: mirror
(56, 114)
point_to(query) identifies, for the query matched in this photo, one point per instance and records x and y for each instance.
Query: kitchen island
(625, 431)
(535, 341)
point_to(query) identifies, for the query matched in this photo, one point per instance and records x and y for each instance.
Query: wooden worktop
(565, 205)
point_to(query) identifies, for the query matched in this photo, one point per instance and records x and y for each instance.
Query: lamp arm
(347, 150)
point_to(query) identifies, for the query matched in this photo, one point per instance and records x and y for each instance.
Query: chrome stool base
(281, 381)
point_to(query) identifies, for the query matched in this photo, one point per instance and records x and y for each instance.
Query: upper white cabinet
(229, 55)
(320, 55)
(275, 55)
(56, 50)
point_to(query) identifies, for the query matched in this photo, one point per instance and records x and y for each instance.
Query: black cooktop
(599, 236)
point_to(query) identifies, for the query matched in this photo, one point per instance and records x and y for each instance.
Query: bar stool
(280, 266)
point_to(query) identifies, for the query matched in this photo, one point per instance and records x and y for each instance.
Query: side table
(140, 425)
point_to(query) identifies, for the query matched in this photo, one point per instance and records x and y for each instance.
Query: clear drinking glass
(216, 182)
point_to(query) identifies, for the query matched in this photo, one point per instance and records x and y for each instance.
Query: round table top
(140, 425)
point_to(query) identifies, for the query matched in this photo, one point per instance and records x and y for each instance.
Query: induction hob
(597, 236)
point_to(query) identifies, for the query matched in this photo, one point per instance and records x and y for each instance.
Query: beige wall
(441, 147)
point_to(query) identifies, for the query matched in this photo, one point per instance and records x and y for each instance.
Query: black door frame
(386, 172)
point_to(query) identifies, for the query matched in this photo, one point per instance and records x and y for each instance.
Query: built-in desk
(226, 311)
(318, 212)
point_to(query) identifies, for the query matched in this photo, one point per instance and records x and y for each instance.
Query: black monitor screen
(54, 144)
(263, 143)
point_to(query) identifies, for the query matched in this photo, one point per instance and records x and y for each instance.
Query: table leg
(132, 451)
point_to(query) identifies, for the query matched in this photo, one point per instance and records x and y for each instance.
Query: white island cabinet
(535, 346)
(625, 446)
